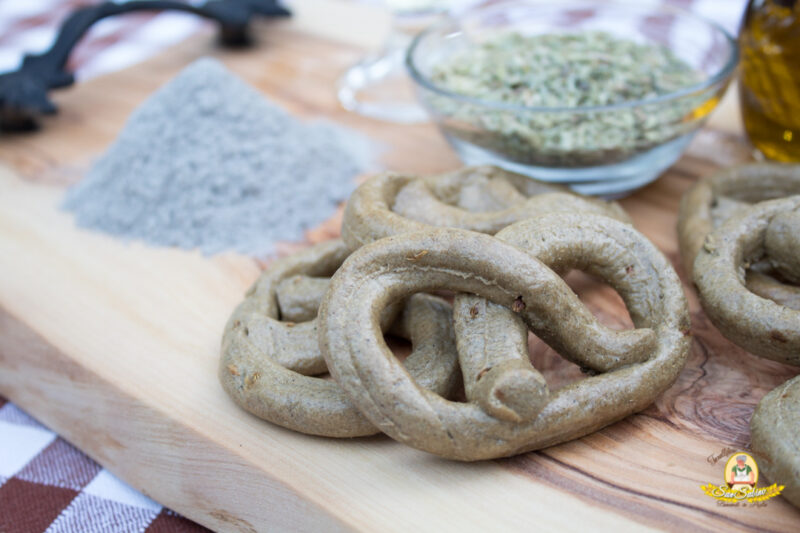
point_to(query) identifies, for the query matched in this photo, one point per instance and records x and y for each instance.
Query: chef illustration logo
(740, 486)
(741, 469)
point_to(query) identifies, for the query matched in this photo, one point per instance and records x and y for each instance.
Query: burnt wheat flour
(207, 162)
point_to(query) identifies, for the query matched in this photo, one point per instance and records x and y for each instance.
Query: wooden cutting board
(115, 345)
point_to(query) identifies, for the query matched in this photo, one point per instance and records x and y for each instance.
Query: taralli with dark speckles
(484, 199)
(765, 320)
(757, 324)
(498, 375)
(639, 364)
(268, 359)
(739, 234)
(713, 200)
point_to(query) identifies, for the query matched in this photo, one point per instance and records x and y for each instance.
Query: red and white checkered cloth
(45, 483)
(48, 485)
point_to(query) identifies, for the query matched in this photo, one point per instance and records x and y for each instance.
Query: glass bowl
(598, 150)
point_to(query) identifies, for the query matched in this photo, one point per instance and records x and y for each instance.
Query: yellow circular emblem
(741, 470)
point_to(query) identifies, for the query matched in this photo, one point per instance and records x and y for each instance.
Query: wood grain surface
(115, 345)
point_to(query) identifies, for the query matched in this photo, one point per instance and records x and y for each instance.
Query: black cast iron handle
(23, 93)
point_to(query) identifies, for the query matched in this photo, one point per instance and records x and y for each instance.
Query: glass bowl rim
(720, 76)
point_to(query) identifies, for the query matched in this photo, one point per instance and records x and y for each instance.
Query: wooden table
(115, 345)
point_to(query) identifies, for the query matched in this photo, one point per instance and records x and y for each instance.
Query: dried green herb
(577, 70)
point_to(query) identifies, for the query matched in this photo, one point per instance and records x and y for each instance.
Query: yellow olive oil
(770, 77)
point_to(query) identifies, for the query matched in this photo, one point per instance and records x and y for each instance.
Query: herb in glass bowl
(574, 71)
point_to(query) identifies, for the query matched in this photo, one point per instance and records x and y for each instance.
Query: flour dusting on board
(207, 162)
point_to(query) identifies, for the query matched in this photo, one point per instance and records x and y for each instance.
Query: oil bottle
(769, 82)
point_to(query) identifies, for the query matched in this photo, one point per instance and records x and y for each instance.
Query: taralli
(267, 363)
(493, 351)
(776, 439)
(713, 200)
(484, 199)
(740, 238)
(644, 361)
(757, 324)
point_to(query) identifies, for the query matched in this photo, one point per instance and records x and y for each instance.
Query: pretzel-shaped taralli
(492, 340)
(713, 200)
(759, 325)
(776, 439)
(483, 199)
(390, 204)
(266, 363)
(469, 262)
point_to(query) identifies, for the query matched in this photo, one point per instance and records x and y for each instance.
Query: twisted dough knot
(767, 231)
(270, 350)
(709, 203)
(513, 271)
(484, 199)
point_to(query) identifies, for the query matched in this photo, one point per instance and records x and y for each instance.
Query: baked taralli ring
(505, 274)
(267, 363)
(739, 230)
(775, 437)
(390, 204)
(713, 200)
(483, 199)
(757, 324)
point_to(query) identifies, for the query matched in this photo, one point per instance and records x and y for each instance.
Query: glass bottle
(770, 77)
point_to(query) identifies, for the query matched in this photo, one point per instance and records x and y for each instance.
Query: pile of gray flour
(206, 162)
